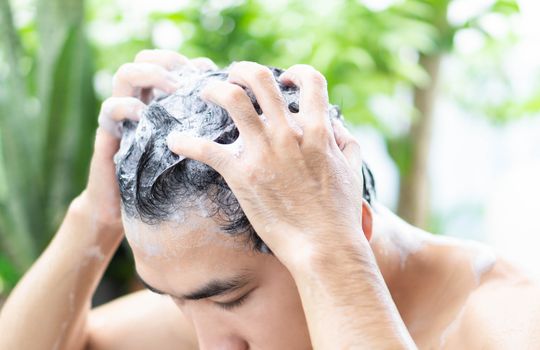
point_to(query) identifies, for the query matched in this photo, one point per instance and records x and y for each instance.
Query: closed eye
(234, 304)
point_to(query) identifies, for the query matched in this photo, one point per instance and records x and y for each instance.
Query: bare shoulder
(502, 313)
(142, 320)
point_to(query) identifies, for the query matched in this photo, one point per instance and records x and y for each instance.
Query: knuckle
(122, 73)
(252, 173)
(318, 130)
(233, 94)
(352, 143)
(306, 74)
(125, 69)
(262, 73)
(108, 106)
(204, 63)
(285, 136)
(242, 65)
(255, 70)
(309, 73)
(157, 55)
(301, 68)
(356, 146)
(251, 176)
(316, 77)
(175, 59)
(116, 79)
(144, 55)
(237, 68)
(179, 56)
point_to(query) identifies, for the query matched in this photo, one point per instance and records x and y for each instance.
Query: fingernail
(204, 64)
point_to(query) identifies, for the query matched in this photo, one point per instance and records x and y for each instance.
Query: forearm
(346, 301)
(49, 306)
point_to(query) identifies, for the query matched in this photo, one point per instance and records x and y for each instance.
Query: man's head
(189, 235)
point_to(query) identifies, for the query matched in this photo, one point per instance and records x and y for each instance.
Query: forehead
(193, 249)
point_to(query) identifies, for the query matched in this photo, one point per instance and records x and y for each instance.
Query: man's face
(234, 297)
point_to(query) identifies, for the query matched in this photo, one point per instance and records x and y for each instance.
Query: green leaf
(507, 7)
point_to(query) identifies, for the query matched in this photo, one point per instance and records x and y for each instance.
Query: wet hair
(157, 185)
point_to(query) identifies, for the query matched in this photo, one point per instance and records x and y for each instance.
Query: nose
(213, 334)
(222, 343)
(212, 339)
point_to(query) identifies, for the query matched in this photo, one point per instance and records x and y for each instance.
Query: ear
(367, 220)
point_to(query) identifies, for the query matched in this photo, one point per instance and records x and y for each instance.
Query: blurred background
(444, 96)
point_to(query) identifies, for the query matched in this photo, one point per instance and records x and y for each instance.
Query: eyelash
(233, 304)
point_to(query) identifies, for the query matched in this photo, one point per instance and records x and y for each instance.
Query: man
(314, 265)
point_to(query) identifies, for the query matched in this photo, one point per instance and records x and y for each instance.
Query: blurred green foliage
(53, 53)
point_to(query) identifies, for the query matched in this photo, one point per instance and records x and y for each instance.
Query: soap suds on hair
(157, 185)
(238, 147)
(144, 156)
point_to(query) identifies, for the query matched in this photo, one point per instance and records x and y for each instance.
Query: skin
(343, 274)
(446, 313)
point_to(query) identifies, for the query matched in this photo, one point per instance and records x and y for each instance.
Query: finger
(114, 110)
(236, 101)
(349, 146)
(121, 108)
(105, 147)
(313, 98)
(199, 149)
(204, 64)
(102, 165)
(167, 59)
(263, 84)
(131, 77)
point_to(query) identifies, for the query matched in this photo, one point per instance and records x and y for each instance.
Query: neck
(395, 244)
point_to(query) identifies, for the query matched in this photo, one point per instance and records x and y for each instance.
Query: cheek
(275, 316)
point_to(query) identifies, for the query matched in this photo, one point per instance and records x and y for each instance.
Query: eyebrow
(210, 289)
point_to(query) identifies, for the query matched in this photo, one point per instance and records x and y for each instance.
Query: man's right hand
(133, 88)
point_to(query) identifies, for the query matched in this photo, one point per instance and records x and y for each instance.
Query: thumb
(199, 149)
